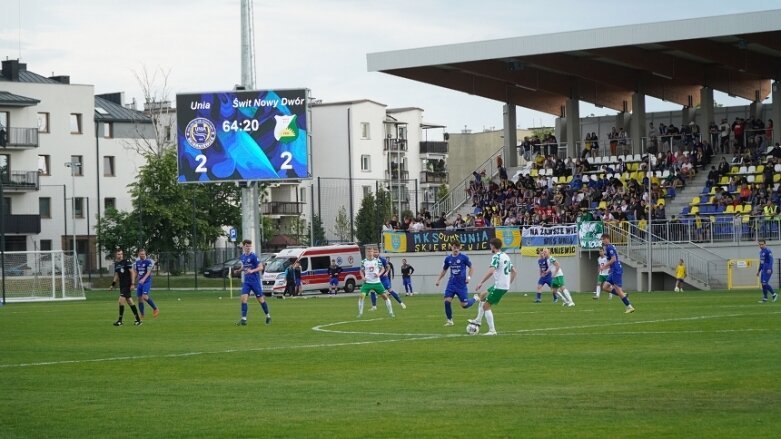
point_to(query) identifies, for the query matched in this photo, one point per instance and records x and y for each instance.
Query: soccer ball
(676, 289)
(472, 328)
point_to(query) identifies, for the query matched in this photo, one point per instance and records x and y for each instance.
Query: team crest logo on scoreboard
(286, 129)
(200, 133)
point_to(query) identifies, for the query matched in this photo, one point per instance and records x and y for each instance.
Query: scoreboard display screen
(243, 136)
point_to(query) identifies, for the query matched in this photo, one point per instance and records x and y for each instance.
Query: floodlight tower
(250, 213)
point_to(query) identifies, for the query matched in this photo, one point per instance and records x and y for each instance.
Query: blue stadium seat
(685, 210)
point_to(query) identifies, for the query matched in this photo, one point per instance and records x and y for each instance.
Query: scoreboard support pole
(250, 215)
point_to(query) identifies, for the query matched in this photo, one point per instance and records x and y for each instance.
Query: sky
(315, 44)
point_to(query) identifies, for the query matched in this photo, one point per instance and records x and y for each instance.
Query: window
(44, 165)
(109, 203)
(402, 132)
(77, 165)
(6, 205)
(3, 128)
(108, 130)
(108, 166)
(366, 163)
(367, 190)
(75, 123)
(46, 244)
(78, 207)
(365, 130)
(4, 118)
(321, 262)
(43, 122)
(5, 165)
(45, 207)
(304, 264)
(302, 196)
(168, 134)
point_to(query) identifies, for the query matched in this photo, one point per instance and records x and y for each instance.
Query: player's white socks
(480, 312)
(567, 296)
(389, 306)
(598, 291)
(489, 317)
(560, 296)
(360, 306)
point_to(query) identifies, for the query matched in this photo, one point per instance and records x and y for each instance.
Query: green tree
(342, 225)
(170, 217)
(319, 231)
(442, 192)
(268, 230)
(366, 230)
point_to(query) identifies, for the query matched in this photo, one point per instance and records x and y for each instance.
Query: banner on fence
(437, 240)
(590, 234)
(510, 236)
(560, 240)
(394, 242)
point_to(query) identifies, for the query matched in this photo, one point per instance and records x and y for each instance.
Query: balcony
(16, 181)
(439, 177)
(399, 145)
(282, 208)
(396, 175)
(19, 138)
(433, 147)
(23, 224)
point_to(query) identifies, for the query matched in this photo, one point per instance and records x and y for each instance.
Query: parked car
(16, 269)
(221, 270)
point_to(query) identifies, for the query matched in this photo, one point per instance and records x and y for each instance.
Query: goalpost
(42, 275)
(742, 274)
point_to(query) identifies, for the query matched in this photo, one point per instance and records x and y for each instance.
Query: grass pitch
(684, 365)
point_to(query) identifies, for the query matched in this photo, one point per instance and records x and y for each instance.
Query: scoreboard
(243, 136)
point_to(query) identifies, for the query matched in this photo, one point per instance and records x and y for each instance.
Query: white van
(314, 268)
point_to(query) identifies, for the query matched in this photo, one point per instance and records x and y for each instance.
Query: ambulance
(314, 263)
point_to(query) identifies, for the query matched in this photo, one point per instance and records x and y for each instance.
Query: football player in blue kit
(765, 271)
(546, 277)
(614, 281)
(251, 266)
(460, 274)
(385, 279)
(144, 267)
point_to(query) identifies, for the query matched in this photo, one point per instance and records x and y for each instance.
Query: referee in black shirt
(125, 276)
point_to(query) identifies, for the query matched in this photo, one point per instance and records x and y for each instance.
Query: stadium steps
(693, 189)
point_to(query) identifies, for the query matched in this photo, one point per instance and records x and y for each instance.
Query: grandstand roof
(738, 54)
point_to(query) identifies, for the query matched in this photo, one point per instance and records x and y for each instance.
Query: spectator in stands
(594, 144)
(724, 132)
(744, 196)
(723, 167)
(738, 127)
(769, 131)
(713, 177)
(613, 137)
(586, 146)
(713, 133)
(526, 146)
(394, 222)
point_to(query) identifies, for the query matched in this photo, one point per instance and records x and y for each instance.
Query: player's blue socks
(243, 310)
(141, 306)
(150, 302)
(449, 310)
(264, 305)
(538, 297)
(395, 296)
(374, 298)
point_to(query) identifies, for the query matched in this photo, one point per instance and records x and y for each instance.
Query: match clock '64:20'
(243, 136)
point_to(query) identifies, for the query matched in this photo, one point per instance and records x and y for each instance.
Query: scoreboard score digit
(243, 136)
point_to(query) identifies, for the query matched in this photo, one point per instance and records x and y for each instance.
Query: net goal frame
(742, 274)
(44, 275)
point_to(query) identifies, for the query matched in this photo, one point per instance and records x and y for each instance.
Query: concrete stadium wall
(580, 270)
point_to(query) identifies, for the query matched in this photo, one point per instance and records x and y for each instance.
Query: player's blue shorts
(545, 280)
(407, 281)
(298, 282)
(334, 281)
(616, 279)
(253, 287)
(386, 283)
(764, 276)
(143, 288)
(461, 292)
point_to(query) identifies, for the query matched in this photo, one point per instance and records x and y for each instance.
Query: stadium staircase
(693, 188)
(704, 268)
(456, 199)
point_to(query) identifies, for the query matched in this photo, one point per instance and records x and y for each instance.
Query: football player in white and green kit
(557, 284)
(371, 268)
(603, 273)
(504, 274)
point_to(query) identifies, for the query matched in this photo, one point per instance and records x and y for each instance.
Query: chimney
(116, 98)
(62, 79)
(11, 69)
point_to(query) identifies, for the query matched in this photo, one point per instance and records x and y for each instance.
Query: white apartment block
(360, 146)
(49, 122)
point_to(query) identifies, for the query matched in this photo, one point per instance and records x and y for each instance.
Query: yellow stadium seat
(739, 208)
(724, 180)
(746, 208)
(660, 202)
(695, 200)
(711, 200)
(734, 170)
(713, 190)
(695, 210)
(776, 178)
(759, 179)
(602, 205)
(534, 173)
(730, 209)
(760, 169)
(745, 219)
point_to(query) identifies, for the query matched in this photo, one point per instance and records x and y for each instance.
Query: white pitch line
(586, 334)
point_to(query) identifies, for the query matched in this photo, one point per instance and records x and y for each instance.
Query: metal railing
(665, 254)
(395, 175)
(20, 180)
(395, 145)
(457, 194)
(723, 228)
(427, 147)
(433, 177)
(282, 208)
(23, 224)
(21, 137)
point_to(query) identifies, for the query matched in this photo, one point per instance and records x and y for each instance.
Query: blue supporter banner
(561, 240)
